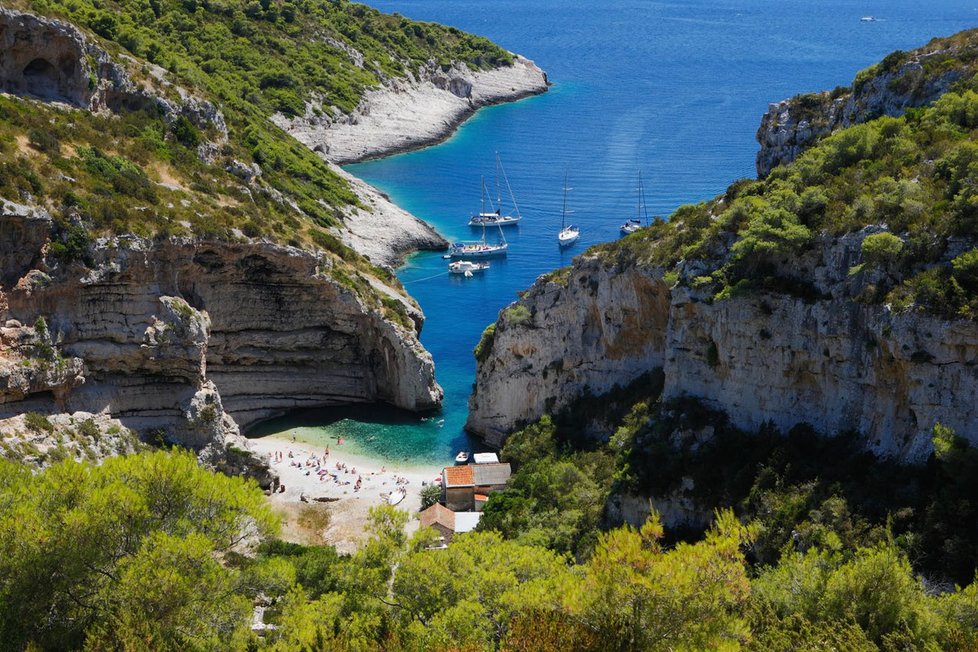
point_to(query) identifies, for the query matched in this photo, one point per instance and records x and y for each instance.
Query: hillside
(173, 258)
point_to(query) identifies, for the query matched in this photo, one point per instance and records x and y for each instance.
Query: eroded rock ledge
(194, 339)
(834, 363)
(411, 113)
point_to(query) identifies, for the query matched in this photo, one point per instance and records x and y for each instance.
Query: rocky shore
(412, 113)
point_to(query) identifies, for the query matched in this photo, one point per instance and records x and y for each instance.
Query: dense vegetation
(911, 177)
(137, 172)
(152, 552)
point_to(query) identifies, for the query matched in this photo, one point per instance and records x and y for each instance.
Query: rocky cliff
(192, 337)
(195, 339)
(836, 364)
(840, 291)
(901, 81)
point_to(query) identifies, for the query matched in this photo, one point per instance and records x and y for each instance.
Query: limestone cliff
(901, 81)
(834, 363)
(840, 291)
(196, 338)
(421, 109)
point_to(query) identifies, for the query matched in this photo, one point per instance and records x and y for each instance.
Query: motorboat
(462, 457)
(466, 268)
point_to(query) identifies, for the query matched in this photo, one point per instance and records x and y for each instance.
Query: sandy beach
(310, 474)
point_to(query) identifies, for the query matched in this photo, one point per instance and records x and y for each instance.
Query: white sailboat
(634, 224)
(479, 249)
(495, 217)
(569, 234)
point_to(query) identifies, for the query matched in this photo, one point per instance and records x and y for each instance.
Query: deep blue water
(674, 89)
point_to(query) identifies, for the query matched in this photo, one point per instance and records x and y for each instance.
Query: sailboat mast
(563, 208)
(499, 194)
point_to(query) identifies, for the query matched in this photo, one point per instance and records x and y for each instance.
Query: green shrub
(484, 346)
(38, 423)
(517, 315)
(881, 249)
(965, 271)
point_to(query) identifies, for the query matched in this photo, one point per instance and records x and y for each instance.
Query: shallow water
(674, 89)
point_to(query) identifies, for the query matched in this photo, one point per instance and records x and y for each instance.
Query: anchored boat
(569, 234)
(467, 268)
(634, 224)
(495, 216)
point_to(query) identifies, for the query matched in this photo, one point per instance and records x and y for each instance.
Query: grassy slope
(252, 59)
(134, 173)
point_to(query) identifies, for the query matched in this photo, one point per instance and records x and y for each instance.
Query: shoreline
(404, 115)
(347, 507)
(450, 130)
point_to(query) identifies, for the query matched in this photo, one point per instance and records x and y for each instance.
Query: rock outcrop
(51, 60)
(900, 82)
(197, 339)
(410, 113)
(832, 362)
(599, 326)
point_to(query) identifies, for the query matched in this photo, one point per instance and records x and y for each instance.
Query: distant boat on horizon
(869, 19)
(569, 234)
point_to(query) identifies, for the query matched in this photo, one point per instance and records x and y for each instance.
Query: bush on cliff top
(911, 173)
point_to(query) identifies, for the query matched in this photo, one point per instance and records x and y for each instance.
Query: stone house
(466, 488)
(447, 523)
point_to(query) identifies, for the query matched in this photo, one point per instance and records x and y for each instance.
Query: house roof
(488, 474)
(486, 458)
(458, 476)
(439, 514)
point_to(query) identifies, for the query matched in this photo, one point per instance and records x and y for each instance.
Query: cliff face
(834, 363)
(899, 82)
(196, 338)
(586, 332)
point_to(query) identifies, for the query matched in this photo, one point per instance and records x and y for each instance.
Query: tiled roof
(440, 514)
(489, 474)
(459, 476)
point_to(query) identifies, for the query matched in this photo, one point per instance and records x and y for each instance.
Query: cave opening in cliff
(42, 79)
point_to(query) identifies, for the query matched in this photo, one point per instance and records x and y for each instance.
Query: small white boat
(630, 226)
(634, 224)
(466, 267)
(397, 496)
(462, 457)
(868, 19)
(568, 233)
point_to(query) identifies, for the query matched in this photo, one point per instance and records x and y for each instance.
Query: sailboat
(634, 224)
(479, 249)
(568, 233)
(496, 217)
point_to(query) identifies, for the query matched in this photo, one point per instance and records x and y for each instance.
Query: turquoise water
(674, 89)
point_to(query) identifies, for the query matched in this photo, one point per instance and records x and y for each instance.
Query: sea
(672, 90)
